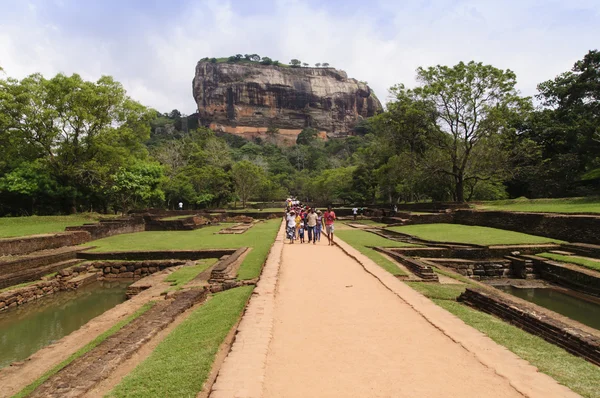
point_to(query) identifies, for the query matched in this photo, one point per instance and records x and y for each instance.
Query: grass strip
(260, 238)
(180, 364)
(470, 234)
(562, 205)
(187, 273)
(370, 223)
(33, 225)
(363, 241)
(574, 372)
(82, 351)
(591, 264)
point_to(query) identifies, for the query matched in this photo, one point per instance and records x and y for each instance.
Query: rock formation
(248, 98)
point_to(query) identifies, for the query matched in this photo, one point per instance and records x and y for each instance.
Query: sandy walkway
(327, 322)
(339, 332)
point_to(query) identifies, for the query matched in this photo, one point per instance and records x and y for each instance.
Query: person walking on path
(355, 212)
(311, 223)
(319, 226)
(329, 217)
(291, 225)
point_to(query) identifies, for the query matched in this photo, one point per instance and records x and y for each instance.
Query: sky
(152, 46)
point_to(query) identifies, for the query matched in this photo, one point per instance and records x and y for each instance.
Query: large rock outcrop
(247, 98)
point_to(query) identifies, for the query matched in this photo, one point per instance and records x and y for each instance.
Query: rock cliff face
(246, 99)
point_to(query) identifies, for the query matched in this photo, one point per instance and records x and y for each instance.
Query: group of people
(301, 220)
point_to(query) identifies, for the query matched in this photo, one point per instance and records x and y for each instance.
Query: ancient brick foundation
(417, 267)
(67, 279)
(535, 320)
(157, 255)
(567, 275)
(30, 244)
(107, 228)
(133, 269)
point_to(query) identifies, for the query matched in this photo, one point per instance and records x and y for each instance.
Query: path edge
(243, 370)
(521, 375)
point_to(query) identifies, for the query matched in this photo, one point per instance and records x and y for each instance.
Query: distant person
(291, 226)
(311, 224)
(361, 212)
(355, 212)
(180, 205)
(329, 217)
(298, 222)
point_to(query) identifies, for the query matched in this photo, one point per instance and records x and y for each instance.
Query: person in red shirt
(329, 218)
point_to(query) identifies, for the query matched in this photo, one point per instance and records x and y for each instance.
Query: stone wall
(570, 228)
(571, 276)
(190, 223)
(157, 255)
(67, 279)
(417, 267)
(29, 244)
(107, 228)
(537, 321)
(478, 269)
(134, 269)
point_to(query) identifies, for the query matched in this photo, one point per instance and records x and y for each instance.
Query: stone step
(561, 252)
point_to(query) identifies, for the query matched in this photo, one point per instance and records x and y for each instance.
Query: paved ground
(339, 326)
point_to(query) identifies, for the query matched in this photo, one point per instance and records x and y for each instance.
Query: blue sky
(152, 46)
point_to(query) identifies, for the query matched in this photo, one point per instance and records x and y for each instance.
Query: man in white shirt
(355, 212)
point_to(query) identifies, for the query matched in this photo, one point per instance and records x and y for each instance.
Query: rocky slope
(247, 98)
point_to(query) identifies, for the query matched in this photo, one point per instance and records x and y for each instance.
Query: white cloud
(382, 45)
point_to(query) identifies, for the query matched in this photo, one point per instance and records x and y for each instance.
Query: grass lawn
(259, 238)
(87, 348)
(182, 361)
(252, 210)
(186, 274)
(21, 226)
(173, 218)
(360, 240)
(470, 234)
(570, 370)
(591, 264)
(370, 223)
(563, 205)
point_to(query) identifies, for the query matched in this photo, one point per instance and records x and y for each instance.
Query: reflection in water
(28, 328)
(584, 311)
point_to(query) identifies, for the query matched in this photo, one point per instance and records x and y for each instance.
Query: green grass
(21, 226)
(173, 218)
(87, 348)
(470, 234)
(591, 264)
(252, 210)
(574, 372)
(370, 223)
(182, 361)
(259, 238)
(187, 273)
(564, 205)
(363, 241)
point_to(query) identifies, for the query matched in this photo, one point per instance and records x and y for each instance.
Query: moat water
(577, 306)
(28, 328)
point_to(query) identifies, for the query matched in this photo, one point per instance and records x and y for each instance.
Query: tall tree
(247, 178)
(473, 103)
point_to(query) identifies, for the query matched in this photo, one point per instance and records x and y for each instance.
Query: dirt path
(339, 332)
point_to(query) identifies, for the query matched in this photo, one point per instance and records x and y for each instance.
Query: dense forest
(463, 133)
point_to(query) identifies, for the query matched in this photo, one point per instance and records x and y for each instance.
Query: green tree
(325, 65)
(266, 61)
(247, 178)
(137, 185)
(84, 131)
(473, 102)
(307, 136)
(295, 63)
